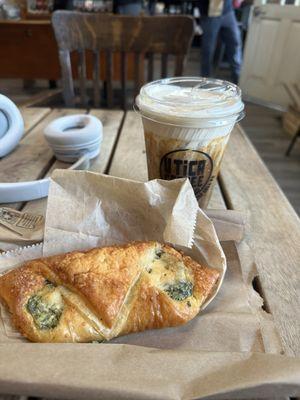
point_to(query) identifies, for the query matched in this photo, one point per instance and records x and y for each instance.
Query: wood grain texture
(41, 97)
(159, 34)
(96, 78)
(28, 39)
(179, 65)
(109, 78)
(150, 67)
(217, 201)
(33, 157)
(32, 116)
(39, 206)
(34, 44)
(273, 232)
(129, 160)
(30, 159)
(123, 77)
(76, 32)
(139, 72)
(67, 79)
(264, 128)
(164, 65)
(82, 77)
(111, 121)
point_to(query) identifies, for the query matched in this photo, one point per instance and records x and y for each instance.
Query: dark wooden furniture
(29, 51)
(292, 143)
(78, 32)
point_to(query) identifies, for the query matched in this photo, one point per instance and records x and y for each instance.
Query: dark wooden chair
(106, 34)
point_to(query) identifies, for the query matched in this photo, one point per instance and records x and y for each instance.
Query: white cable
(32, 190)
(74, 138)
(74, 135)
(11, 125)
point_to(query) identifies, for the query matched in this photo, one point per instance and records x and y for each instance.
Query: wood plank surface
(39, 206)
(42, 97)
(246, 183)
(129, 160)
(217, 201)
(264, 128)
(273, 232)
(111, 120)
(33, 157)
(30, 159)
(32, 116)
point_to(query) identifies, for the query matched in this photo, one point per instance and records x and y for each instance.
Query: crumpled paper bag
(19, 228)
(219, 354)
(87, 210)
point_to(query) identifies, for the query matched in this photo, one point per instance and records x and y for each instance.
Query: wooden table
(273, 228)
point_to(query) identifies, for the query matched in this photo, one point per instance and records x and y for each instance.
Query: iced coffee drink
(187, 123)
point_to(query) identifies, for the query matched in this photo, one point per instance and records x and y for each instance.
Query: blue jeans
(230, 34)
(130, 9)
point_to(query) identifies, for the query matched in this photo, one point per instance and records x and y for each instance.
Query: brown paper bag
(19, 228)
(225, 352)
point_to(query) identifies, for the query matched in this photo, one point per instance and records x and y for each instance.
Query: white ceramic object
(11, 125)
(3, 124)
(75, 139)
(72, 136)
(32, 190)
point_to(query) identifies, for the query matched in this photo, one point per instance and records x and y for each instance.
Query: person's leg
(151, 7)
(231, 36)
(130, 9)
(210, 27)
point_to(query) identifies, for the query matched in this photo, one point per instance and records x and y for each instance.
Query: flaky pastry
(105, 292)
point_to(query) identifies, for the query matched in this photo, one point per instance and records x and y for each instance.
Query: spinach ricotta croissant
(105, 292)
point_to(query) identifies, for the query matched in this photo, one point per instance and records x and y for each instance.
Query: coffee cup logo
(193, 164)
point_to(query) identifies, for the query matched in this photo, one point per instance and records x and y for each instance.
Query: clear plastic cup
(187, 123)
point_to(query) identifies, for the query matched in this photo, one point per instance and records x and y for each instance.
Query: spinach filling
(45, 311)
(158, 253)
(180, 290)
(49, 283)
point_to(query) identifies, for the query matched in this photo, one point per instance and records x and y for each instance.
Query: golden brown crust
(104, 292)
(152, 309)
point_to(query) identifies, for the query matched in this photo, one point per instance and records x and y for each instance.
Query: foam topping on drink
(188, 100)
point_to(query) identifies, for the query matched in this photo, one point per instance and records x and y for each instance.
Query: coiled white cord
(73, 138)
(11, 125)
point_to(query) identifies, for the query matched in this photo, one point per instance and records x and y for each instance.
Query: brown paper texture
(91, 371)
(19, 228)
(229, 225)
(225, 352)
(86, 209)
(100, 210)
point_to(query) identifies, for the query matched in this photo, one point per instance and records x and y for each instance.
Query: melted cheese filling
(162, 269)
(165, 271)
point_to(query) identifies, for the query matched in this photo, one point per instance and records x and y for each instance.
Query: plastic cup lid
(191, 101)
